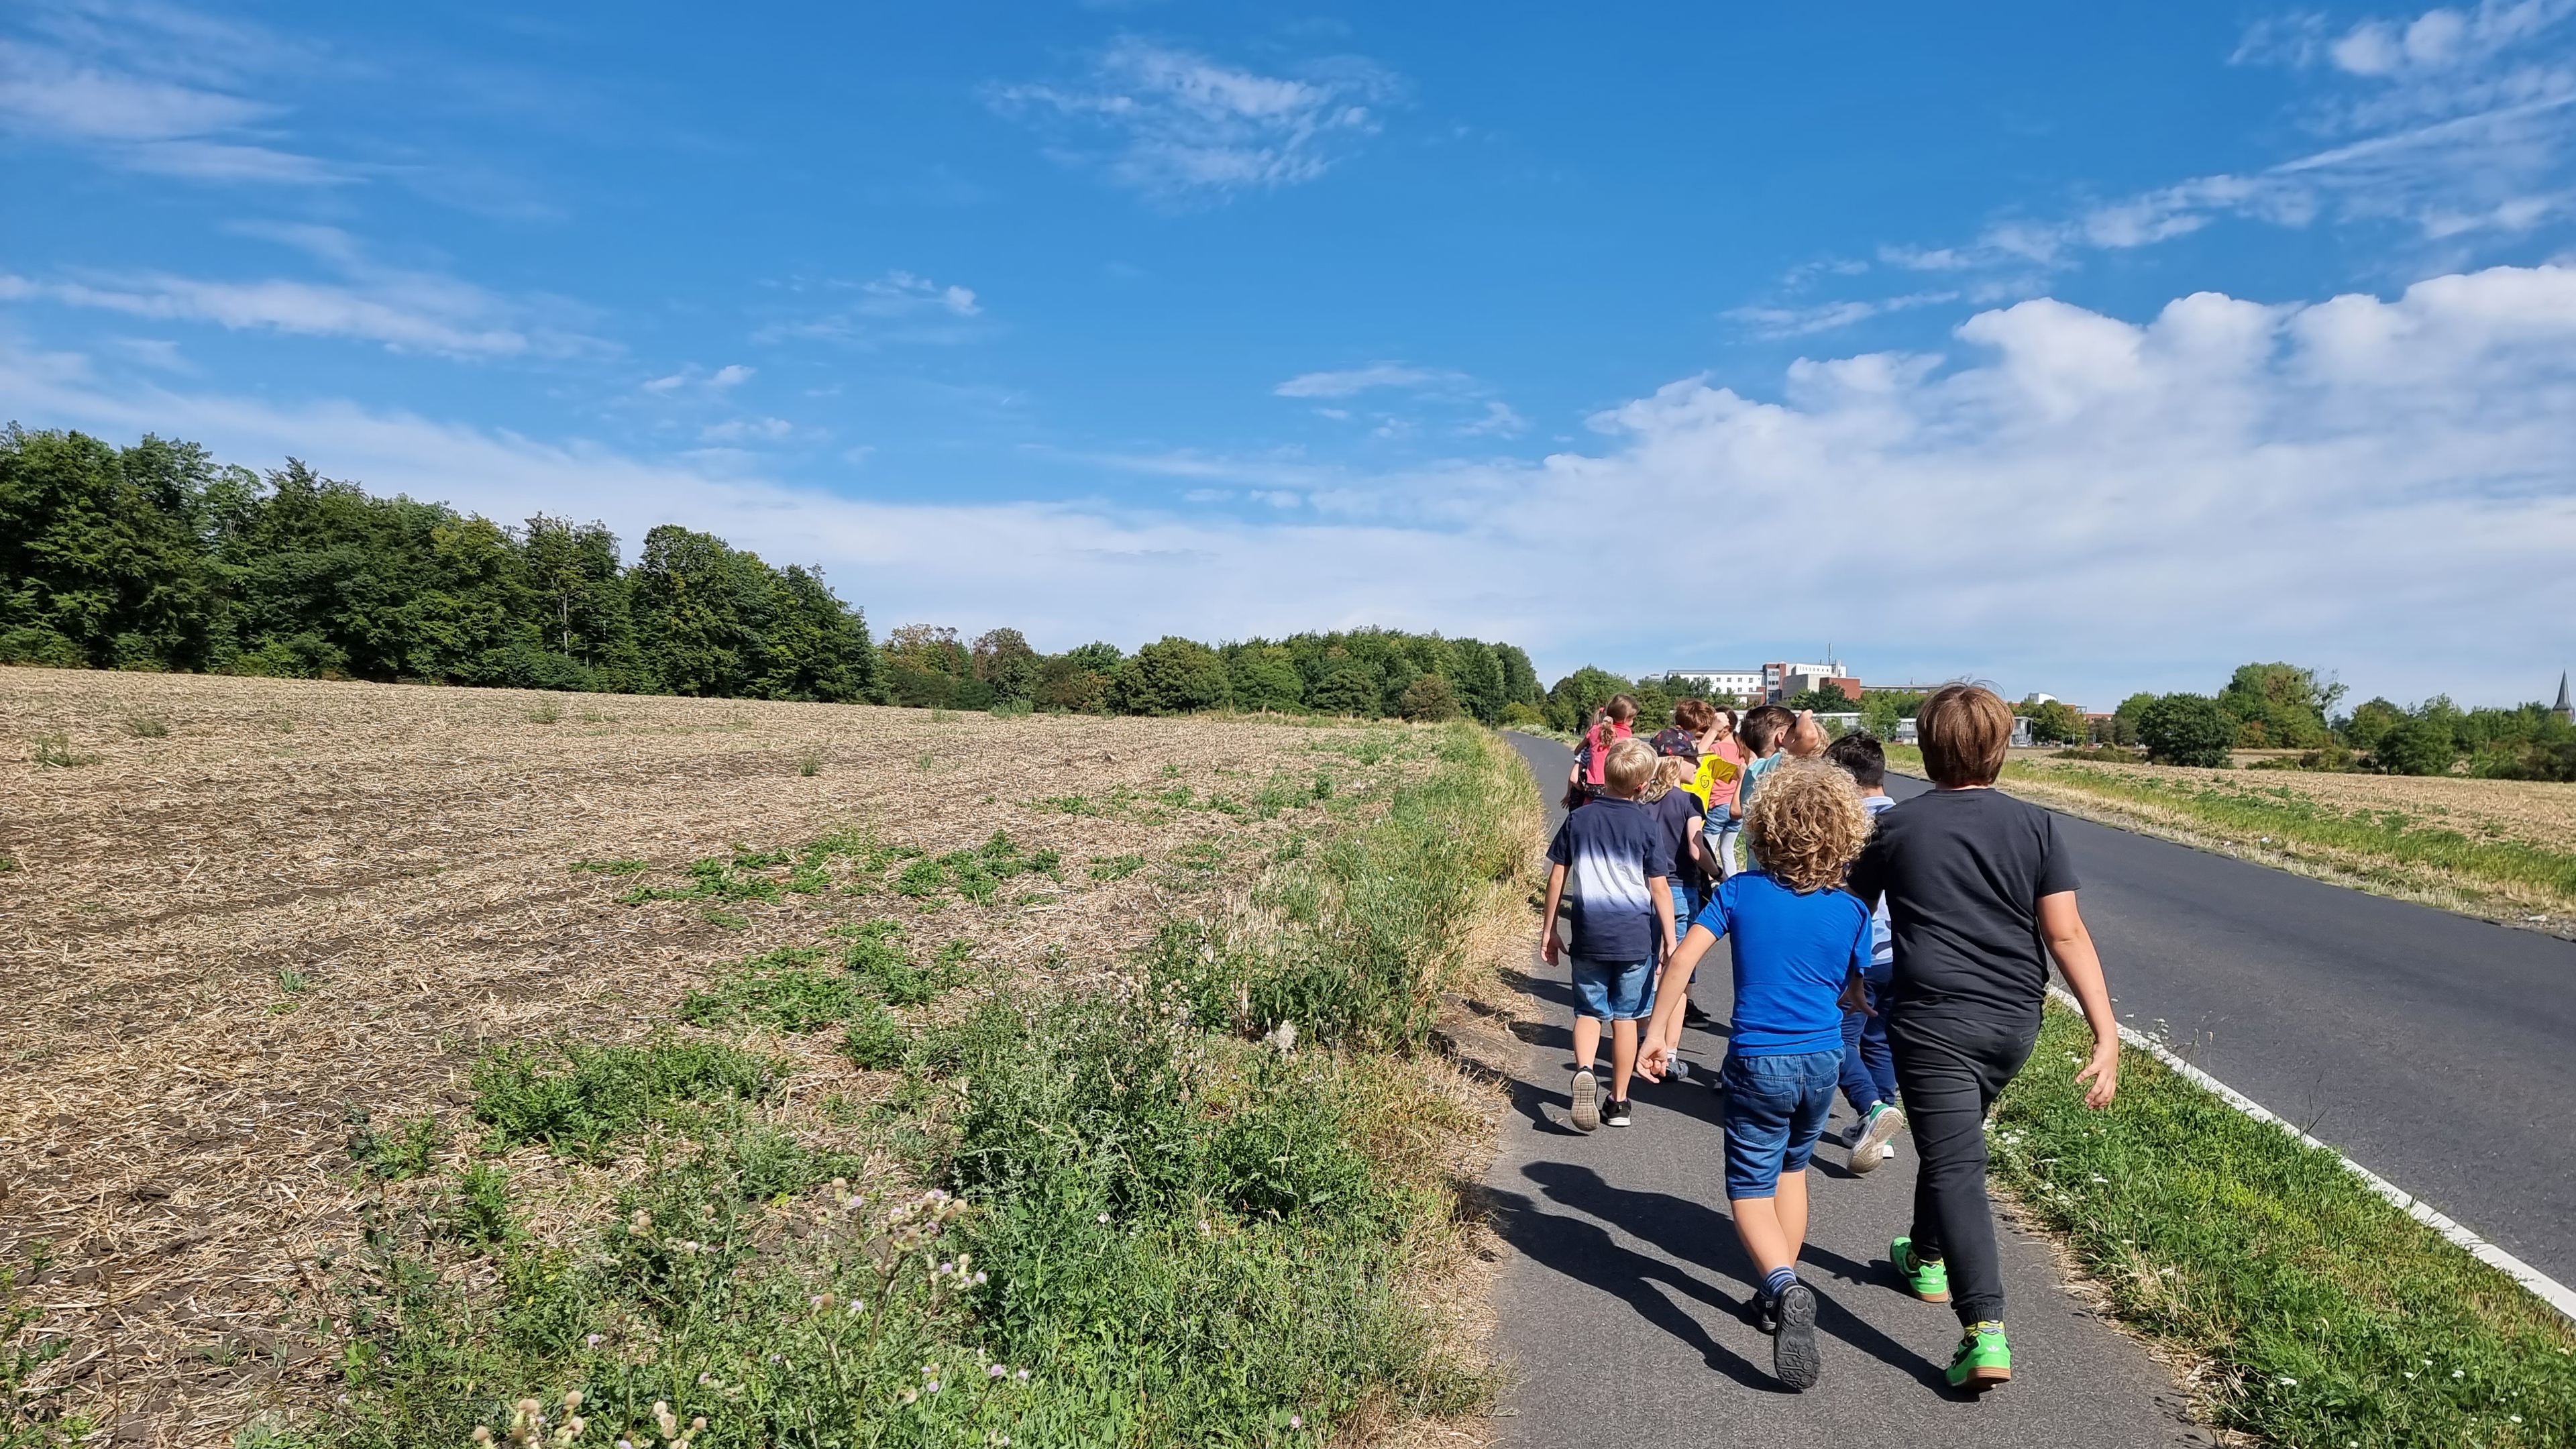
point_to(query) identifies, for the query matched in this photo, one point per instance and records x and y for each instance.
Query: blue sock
(1779, 1281)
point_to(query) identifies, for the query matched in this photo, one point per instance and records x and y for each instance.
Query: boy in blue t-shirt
(1800, 945)
(1607, 863)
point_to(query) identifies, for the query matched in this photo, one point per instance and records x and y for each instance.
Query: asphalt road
(1621, 1308)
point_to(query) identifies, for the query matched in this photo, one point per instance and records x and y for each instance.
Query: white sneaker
(1587, 1100)
(1875, 1131)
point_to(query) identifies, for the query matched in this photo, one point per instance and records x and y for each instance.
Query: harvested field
(240, 912)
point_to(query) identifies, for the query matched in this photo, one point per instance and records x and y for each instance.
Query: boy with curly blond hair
(1801, 945)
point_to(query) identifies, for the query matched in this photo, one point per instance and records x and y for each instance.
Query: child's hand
(1547, 944)
(1652, 1061)
(2103, 1072)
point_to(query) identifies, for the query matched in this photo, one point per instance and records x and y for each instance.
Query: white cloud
(1360, 379)
(899, 306)
(747, 430)
(153, 88)
(1807, 321)
(2089, 505)
(1174, 124)
(732, 374)
(404, 309)
(1499, 421)
(723, 379)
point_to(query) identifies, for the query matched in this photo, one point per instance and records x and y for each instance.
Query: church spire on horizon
(2565, 709)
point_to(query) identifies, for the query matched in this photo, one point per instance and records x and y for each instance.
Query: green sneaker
(1982, 1359)
(1927, 1281)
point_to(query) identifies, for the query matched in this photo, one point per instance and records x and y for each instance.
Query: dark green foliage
(1429, 700)
(2369, 721)
(878, 957)
(151, 558)
(1573, 699)
(477, 1211)
(2530, 762)
(1266, 677)
(1822, 701)
(1004, 661)
(2278, 706)
(1170, 676)
(877, 1039)
(410, 1150)
(2052, 721)
(2186, 729)
(577, 1098)
(776, 991)
(2414, 747)
(610, 867)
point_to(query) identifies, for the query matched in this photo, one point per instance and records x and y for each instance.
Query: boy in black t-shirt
(1980, 894)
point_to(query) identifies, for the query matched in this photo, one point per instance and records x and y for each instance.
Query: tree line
(2285, 707)
(156, 557)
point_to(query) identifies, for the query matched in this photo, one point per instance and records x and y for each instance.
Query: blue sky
(2084, 351)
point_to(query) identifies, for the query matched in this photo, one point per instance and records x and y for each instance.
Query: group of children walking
(1897, 953)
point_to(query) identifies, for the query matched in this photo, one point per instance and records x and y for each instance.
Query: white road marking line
(2547, 1289)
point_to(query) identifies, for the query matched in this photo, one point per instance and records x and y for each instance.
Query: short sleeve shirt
(1609, 848)
(1674, 812)
(1793, 951)
(1963, 872)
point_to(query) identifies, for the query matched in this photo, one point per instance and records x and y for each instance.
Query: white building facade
(1740, 683)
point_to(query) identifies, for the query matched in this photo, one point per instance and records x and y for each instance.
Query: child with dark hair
(1688, 871)
(1869, 1068)
(1980, 893)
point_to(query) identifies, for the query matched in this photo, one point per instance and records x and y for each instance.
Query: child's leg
(1874, 1052)
(1759, 1228)
(1790, 1204)
(1949, 1085)
(1623, 1055)
(1859, 1088)
(1587, 1041)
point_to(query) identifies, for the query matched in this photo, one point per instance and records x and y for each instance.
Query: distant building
(2565, 709)
(1780, 681)
(1735, 683)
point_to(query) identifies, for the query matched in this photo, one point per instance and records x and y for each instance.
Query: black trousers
(1949, 1072)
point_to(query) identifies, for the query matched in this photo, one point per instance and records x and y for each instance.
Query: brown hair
(1806, 824)
(1964, 730)
(1631, 764)
(1764, 724)
(1695, 715)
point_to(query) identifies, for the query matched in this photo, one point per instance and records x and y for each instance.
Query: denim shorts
(1775, 1109)
(1616, 990)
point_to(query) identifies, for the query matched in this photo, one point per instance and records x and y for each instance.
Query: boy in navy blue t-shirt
(1607, 863)
(1799, 944)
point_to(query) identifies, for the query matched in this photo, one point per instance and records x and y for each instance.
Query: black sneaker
(1763, 1312)
(1794, 1360)
(1617, 1115)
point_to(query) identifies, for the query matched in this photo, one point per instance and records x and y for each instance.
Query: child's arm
(2063, 926)
(1671, 991)
(1700, 852)
(1661, 889)
(1547, 922)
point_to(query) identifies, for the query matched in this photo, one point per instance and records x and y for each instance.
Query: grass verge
(2334, 1319)
(1137, 1216)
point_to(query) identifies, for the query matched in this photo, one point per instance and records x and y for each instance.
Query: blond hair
(1626, 770)
(1670, 770)
(1806, 824)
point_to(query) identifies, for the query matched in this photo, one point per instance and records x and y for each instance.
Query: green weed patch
(1119, 1220)
(577, 1099)
(2337, 1318)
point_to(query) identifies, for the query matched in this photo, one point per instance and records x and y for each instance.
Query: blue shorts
(1775, 1110)
(1617, 990)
